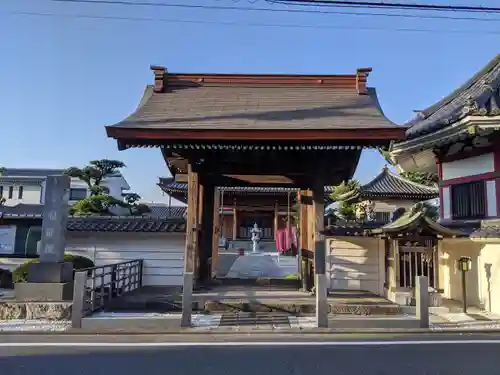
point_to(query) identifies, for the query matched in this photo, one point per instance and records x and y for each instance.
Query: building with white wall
(459, 139)
(26, 185)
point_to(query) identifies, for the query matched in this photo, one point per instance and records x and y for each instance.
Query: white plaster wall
(355, 263)
(446, 202)
(491, 197)
(163, 253)
(468, 167)
(31, 194)
(483, 280)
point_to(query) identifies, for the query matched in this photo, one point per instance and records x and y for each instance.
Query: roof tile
(234, 106)
(390, 185)
(480, 95)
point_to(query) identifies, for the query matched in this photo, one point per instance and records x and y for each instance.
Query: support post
(320, 256)
(215, 230)
(305, 234)
(422, 300)
(191, 242)
(235, 224)
(275, 220)
(464, 291)
(78, 306)
(207, 231)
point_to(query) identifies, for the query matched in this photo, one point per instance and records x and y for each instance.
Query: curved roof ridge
(372, 93)
(455, 93)
(471, 98)
(432, 188)
(376, 179)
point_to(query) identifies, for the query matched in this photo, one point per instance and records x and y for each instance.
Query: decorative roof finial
(159, 72)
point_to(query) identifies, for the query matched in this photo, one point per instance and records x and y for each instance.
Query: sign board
(7, 239)
(55, 219)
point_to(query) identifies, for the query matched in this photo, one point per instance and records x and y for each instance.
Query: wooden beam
(299, 135)
(181, 178)
(259, 179)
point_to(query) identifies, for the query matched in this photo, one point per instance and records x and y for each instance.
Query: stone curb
(256, 331)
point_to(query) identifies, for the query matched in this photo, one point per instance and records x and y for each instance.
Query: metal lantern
(464, 264)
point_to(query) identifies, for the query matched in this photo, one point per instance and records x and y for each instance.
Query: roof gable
(480, 95)
(253, 102)
(391, 185)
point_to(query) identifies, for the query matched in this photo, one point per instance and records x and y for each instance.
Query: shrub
(20, 274)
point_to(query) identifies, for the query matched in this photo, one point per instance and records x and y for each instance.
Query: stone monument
(51, 279)
(255, 231)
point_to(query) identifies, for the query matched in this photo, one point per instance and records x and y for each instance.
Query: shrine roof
(391, 186)
(169, 186)
(416, 219)
(479, 96)
(257, 102)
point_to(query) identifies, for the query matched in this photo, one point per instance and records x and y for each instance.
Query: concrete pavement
(245, 355)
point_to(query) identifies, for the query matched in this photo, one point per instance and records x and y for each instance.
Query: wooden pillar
(306, 250)
(320, 254)
(276, 210)
(235, 224)
(207, 231)
(191, 221)
(191, 246)
(199, 230)
(215, 229)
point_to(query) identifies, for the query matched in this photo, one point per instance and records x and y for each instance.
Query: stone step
(284, 306)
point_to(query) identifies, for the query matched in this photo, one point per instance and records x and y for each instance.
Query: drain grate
(254, 319)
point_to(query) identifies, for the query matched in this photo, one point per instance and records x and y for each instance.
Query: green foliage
(429, 210)
(20, 274)
(345, 210)
(344, 188)
(100, 202)
(423, 178)
(292, 276)
(95, 205)
(95, 172)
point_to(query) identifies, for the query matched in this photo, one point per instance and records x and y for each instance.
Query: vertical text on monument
(55, 218)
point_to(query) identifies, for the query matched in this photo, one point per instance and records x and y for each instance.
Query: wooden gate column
(215, 230)
(306, 250)
(191, 246)
(320, 254)
(207, 231)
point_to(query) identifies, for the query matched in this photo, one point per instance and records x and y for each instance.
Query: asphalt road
(143, 356)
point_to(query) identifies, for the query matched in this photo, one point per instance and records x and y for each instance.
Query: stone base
(60, 272)
(35, 311)
(406, 297)
(49, 292)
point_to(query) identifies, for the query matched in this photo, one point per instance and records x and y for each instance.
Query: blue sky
(62, 79)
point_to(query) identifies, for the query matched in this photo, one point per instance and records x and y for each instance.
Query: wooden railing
(96, 287)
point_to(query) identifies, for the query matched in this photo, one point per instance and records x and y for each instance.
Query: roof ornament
(361, 79)
(160, 73)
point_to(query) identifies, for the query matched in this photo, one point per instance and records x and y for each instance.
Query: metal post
(422, 300)
(464, 290)
(78, 306)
